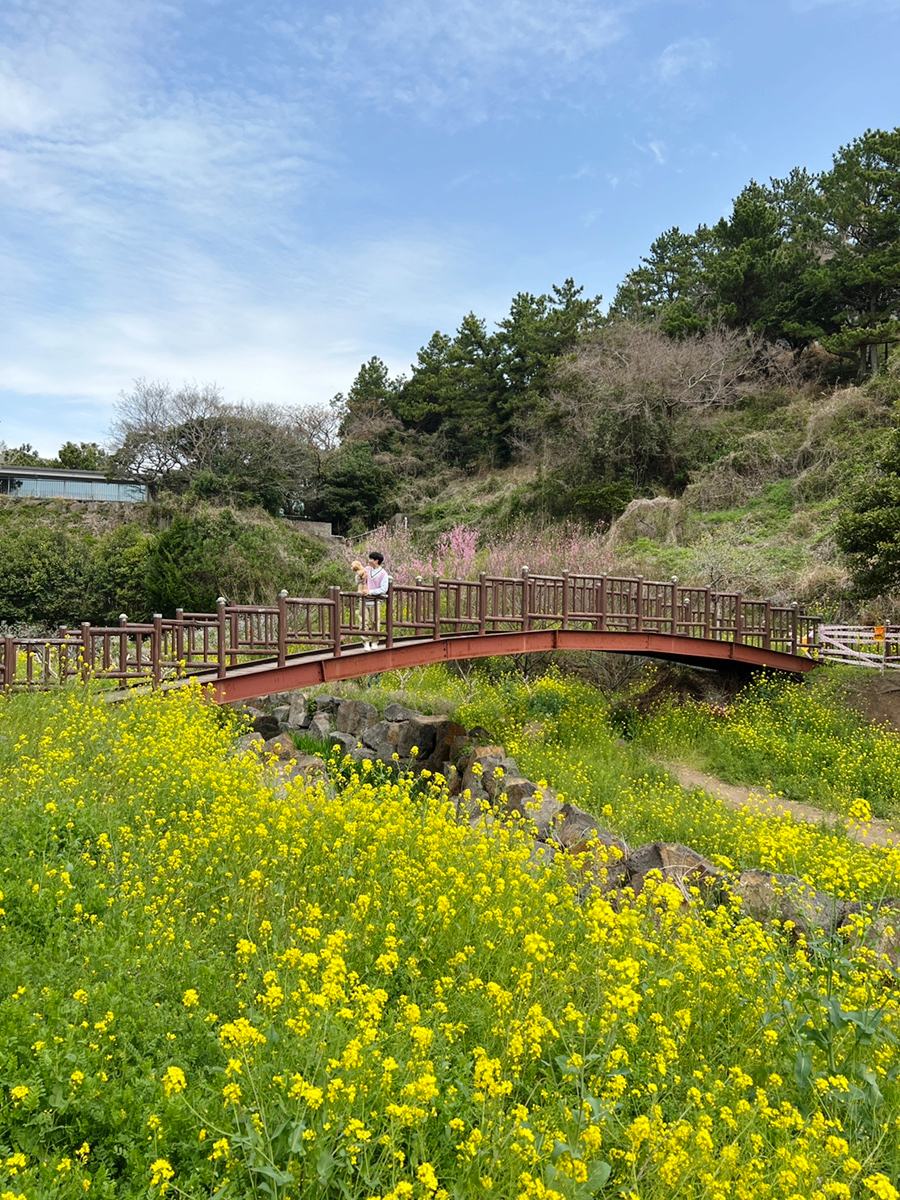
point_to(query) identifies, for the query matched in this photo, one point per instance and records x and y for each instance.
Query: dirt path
(876, 833)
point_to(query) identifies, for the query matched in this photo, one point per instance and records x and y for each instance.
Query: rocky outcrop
(486, 786)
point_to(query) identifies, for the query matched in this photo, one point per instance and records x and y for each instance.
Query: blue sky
(265, 194)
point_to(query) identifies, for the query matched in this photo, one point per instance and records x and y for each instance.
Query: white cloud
(463, 61)
(686, 57)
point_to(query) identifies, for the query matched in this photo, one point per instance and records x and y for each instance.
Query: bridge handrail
(191, 643)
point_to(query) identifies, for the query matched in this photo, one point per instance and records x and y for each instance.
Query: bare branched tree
(249, 453)
(627, 394)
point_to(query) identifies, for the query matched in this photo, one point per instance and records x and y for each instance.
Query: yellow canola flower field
(215, 983)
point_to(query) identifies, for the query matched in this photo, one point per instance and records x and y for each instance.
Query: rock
(498, 770)
(282, 746)
(445, 734)
(355, 717)
(471, 804)
(677, 864)
(573, 827)
(766, 897)
(453, 778)
(281, 714)
(473, 766)
(459, 747)
(263, 723)
(363, 754)
(421, 732)
(309, 766)
(382, 738)
(398, 712)
(876, 927)
(250, 741)
(321, 726)
(480, 735)
(543, 853)
(525, 799)
(346, 741)
(298, 714)
(327, 704)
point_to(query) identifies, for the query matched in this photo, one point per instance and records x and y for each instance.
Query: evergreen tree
(861, 198)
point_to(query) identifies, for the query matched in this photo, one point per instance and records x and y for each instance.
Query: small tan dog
(362, 576)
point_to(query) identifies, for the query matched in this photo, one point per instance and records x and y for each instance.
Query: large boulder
(768, 897)
(674, 863)
(262, 722)
(309, 767)
(399, 712)
(355, 717)
(876, 927)
(574, 829)
(346, 741)
(298, 716)
(445, 735)
(420, 732)
(382, 739)
(282, 746)
(478, 763)
(321, 726)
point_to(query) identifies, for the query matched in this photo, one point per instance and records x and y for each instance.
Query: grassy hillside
(62, 562)
(758, 514)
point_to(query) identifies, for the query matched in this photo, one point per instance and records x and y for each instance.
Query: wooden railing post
(282, 626)
(639, 605)
(482, 603)
(179, 637)
(601, 625)
(707, 613)
(795, 624)
(738, 617)
(156, 642)
(526, 599)
(389, 617)
(9, 662)
(767, 633)
(334, 616)
(436, 584)
(86, 650)
(222, 646)
(123, 645)
(565, 599)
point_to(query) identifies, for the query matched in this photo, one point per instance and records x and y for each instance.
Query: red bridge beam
(263, 678)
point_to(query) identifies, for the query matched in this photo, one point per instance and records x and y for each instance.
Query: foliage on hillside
(213, 985)
(61, 565)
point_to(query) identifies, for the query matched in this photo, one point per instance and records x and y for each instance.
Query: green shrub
(44, 575)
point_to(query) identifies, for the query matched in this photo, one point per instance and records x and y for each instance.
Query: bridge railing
(191, 643)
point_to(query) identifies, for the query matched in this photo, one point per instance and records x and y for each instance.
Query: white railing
(876, 646)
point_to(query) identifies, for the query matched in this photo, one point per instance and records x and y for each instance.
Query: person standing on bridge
(378, 582)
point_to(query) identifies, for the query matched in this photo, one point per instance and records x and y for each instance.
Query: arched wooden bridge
(251, 650)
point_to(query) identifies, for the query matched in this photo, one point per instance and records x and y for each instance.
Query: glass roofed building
(46, 483)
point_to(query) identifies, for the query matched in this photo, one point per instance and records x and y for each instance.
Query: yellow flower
(160, 1173)
(174, 1081)
(425, 1174)
(880, 1186)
